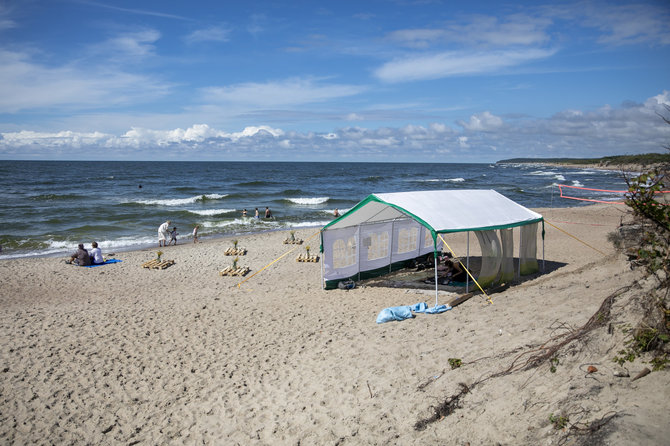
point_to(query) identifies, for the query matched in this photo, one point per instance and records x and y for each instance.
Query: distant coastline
(629, 163)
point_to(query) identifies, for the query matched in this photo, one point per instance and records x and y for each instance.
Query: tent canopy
(385, 231)
(440, 211)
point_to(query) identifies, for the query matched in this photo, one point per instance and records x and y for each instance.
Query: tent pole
(391, 247)
(467, 261)
(435, 258)
(520, 251)
(323, 282)
(544, 266)
(360, 244)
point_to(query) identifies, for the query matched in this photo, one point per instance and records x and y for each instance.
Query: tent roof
(440, 211)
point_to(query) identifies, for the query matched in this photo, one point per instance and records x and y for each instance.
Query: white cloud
(131, 45)
(482, 31)
(211, 34)
(631, 24)
(453, 63)
(294, 91)
(5, 21)
(27, 85)
(482, 122)
(608, 130)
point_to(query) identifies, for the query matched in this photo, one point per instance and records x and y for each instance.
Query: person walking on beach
(163, 231)
(268, 214)
(195, 234)
(173, 236)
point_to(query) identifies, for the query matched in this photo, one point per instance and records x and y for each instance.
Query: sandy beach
(121, 354)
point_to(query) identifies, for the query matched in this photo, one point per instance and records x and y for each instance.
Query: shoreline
(125, 354)
(622, 168)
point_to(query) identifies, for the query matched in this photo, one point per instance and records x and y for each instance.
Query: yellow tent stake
(466, 270)
(581, 241)
(276, 260)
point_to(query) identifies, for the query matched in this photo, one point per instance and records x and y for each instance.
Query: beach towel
(419, 307)
(395, 314)
(106, 262)
(438, 309)
(400, 313)
(407, 312)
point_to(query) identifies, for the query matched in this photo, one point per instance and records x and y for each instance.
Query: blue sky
(428, 81)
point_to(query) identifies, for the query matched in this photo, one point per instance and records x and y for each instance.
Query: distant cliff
(626, 162)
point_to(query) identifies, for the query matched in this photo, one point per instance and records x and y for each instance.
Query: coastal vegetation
(645, 159)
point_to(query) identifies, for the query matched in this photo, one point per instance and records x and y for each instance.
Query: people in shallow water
(163, 233)
(268, 214)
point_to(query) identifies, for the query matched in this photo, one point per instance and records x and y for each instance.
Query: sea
(48, 207)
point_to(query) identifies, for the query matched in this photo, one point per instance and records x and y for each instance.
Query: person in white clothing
(96, 254)
(195, 234)
(163, 232)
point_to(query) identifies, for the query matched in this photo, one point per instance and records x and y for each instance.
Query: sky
(373, 81)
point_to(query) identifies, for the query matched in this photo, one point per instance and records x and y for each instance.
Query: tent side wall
(372, 250)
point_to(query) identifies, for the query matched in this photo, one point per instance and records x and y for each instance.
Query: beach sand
(121, 354)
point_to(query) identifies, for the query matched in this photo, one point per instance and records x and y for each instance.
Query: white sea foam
(443, 180)
(210, 212)
(542, 173)
(249, 222)
(307, 224)
(181, 201)
(309, 201)
(576, 183)
(57, 248)
(330, 211)
(560, 177)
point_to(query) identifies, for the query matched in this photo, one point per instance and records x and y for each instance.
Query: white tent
(385, 231)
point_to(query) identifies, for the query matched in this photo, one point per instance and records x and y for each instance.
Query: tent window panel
(408, 239)
(344, 253)
(379, 245)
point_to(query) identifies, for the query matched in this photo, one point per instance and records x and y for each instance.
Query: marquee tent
(384, 232)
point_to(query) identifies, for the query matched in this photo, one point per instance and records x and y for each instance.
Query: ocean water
(48, 207)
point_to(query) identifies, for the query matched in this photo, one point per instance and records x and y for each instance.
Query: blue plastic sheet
(407, 312)
(395, 314)
(105, 263)
(438, 309)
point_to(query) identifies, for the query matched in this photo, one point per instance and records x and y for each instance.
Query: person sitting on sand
(96, 254)
(163, 231)
(195, 234)
(80, 257)
(173, 236)
(454, 272)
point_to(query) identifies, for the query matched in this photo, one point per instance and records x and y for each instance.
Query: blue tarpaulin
(407, 312)
(107, 262)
